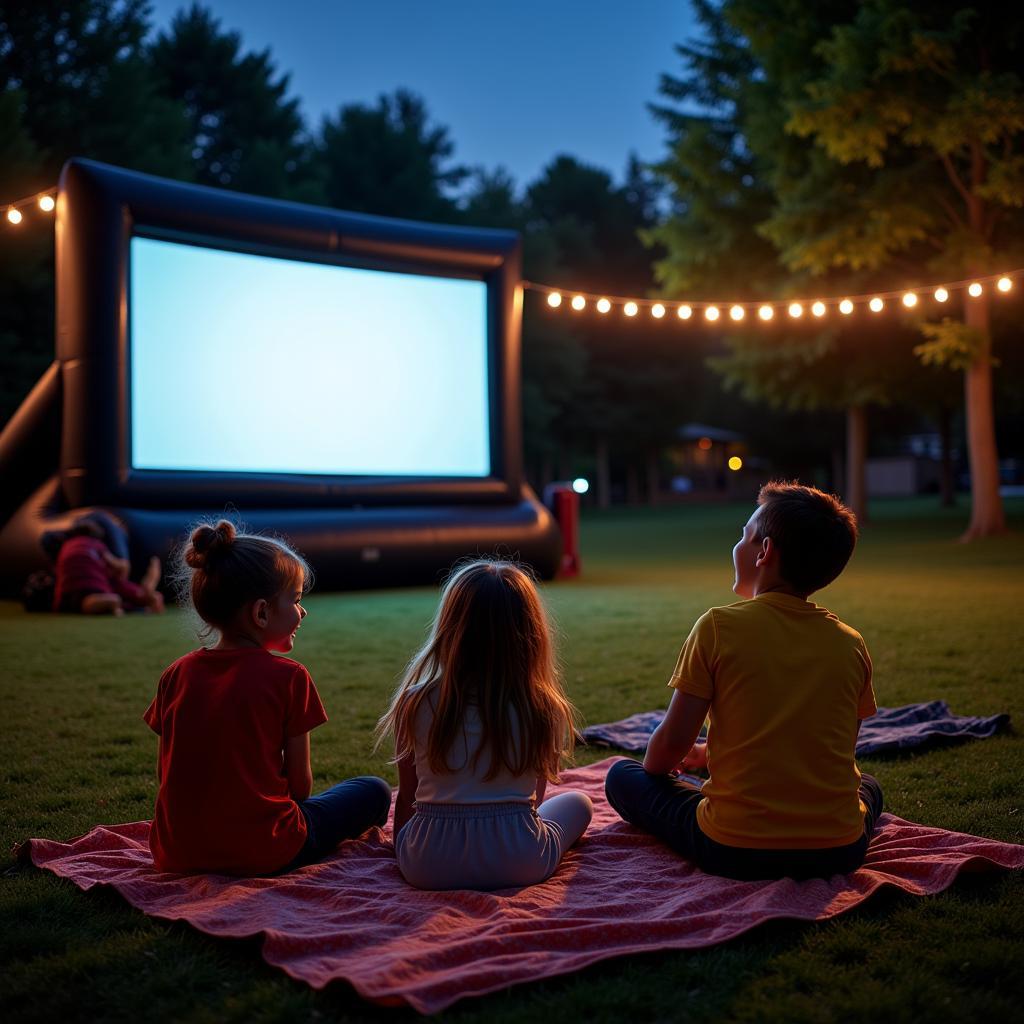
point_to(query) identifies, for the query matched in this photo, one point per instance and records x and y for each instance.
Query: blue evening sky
(515, 83)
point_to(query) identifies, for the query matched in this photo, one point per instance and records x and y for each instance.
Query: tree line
(770, 184)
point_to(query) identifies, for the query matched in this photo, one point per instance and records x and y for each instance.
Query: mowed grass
(942, 620)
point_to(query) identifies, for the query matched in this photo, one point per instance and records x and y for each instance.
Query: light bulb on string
(1004, 284)
(974, 290)
(846, 307)
(46, 203)
(14, 215)
(941, 295)
(657, 311)
(876, 305)
(631, 309)
(711, 313)
(818, 309)
(736, 312)
(578, 303)
(909, 300)
(603, 305)
(766, 313)
(684, 312)
(554, 300)
(796, 310)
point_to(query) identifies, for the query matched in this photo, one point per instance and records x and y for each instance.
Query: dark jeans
(342, 812)
(667, 808)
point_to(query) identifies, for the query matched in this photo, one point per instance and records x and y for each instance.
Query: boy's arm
(675, 736)
(297, 769)
(407, 783)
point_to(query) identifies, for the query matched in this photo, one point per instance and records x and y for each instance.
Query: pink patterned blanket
(617, 892)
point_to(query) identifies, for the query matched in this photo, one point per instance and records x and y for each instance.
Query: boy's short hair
(814, 532)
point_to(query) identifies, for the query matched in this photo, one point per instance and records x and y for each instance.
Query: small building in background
(710, 462)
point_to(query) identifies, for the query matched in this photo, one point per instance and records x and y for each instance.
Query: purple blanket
(889, 730)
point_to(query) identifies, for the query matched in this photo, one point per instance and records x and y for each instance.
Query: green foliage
(244, 132)
(951, 344)
(389, 159)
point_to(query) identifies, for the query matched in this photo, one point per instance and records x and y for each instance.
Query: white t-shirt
(463, 784)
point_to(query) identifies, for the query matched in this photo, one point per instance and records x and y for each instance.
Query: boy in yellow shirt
(786, 684)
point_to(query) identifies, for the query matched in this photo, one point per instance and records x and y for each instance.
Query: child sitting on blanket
(481, 724)
(787, 684)
(234, 722)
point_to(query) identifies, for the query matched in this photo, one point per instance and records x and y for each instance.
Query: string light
(735, 463)
(712, 312)
(15, 212)
(45, 202)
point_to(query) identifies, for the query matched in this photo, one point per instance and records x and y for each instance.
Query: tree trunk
(604, 475)
(653, 478)
(837, 470)
(987, 516)
(856, 457)
(947, 489)
(632, 483)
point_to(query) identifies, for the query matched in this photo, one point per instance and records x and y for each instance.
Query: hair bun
(208, 542)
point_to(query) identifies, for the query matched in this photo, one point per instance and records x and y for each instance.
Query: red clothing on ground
(223, 717)
(82, 569)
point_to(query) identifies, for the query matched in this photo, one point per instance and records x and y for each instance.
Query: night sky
(515, 84)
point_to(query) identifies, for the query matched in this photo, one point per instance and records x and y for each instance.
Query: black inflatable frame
(355, 531)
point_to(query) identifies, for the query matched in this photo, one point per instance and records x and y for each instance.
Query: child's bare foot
(156, 602)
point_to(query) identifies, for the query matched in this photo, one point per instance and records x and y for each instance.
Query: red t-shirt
(81, 567)
(223, 718)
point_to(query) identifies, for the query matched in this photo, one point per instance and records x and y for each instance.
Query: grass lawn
(941, 621)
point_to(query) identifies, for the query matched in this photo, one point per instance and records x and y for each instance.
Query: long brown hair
(490, 646)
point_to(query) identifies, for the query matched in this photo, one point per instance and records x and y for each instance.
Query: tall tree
(389, 159)
(927, 100)
(74, 81)
(245, 132)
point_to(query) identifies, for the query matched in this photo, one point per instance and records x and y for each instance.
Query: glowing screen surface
(255, 364)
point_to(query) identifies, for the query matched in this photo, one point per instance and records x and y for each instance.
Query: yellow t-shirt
(788, 683)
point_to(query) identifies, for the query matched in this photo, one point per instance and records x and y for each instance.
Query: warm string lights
(795, 309)
(44, 201)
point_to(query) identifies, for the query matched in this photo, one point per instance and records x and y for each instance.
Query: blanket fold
(617, 892)
(887, 731)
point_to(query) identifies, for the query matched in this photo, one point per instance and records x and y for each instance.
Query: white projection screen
(254, 364)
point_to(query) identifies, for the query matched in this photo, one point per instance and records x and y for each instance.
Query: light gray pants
(489, 846)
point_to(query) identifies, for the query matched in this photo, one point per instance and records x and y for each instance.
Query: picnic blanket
(618, 891)
(887, 731)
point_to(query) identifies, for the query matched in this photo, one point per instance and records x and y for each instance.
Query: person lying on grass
(786, 684)
(89, 578)
(234, 722)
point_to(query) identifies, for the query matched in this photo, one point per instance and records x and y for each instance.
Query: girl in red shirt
(234, 722)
